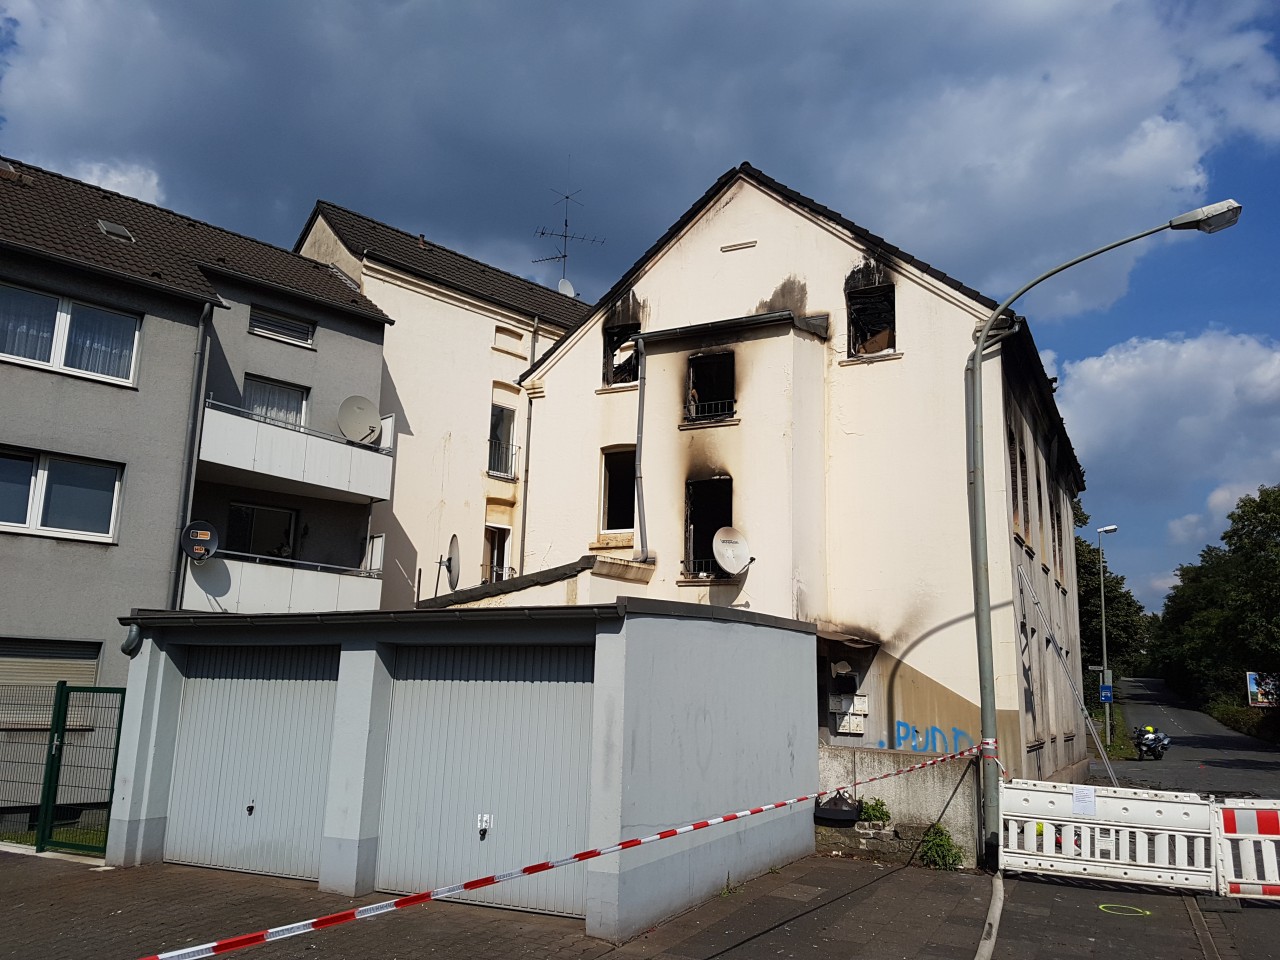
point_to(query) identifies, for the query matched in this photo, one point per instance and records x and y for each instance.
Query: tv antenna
(564, 235)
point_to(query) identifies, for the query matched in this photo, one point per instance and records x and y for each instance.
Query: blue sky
(991, 139)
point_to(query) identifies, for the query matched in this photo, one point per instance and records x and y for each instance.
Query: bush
(1261, 722)
(939, 851)
(874, 810)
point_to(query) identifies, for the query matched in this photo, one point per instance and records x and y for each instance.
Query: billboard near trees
(1260, 693)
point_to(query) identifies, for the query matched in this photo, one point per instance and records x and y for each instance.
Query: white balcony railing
(237, 438)
(244, 583)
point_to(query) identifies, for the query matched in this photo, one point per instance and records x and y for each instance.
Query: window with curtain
(274, 400)
(66, 334)
(52, 494)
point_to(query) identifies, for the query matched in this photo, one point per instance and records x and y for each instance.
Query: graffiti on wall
(907, 736)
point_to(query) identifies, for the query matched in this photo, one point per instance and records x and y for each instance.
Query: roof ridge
(155, 206)
(421, 237)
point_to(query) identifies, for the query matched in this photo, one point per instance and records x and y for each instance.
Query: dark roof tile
(364, 236)
(49, 214)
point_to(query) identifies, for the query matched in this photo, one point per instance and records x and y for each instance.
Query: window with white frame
(273, 400)
(60, 496)
(65, 334)
(287, 329)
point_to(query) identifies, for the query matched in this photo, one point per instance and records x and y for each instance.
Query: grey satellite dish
(199, 540)
(452, 563)
(455, 562)
(359, 421)
(731, 551)
(566, 287)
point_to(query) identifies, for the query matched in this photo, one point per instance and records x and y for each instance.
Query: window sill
(504, 477)
(707, 424)
(1044, 568)
(709, 581)
(619, 388)
(279, 339)
(105, 540)
(612, 541)
(68, 372)
(858, 359)
(510, 353)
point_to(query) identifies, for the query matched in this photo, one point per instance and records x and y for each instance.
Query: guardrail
(296, 427)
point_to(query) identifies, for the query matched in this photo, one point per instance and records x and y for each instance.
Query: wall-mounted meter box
(860, 705)
(850, 723)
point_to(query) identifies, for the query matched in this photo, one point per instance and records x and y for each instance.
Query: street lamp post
(1102, 588)
(1208, 219)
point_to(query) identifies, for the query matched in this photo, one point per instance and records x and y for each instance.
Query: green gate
(79, 769)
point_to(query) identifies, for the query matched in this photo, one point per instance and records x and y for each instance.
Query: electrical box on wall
(849, 723)
(860, 705)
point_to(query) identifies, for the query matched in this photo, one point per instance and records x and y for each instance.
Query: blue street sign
(1104, 693)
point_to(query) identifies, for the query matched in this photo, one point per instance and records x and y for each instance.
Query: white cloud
(132, 179)
(1049, 358)
(1188, 529)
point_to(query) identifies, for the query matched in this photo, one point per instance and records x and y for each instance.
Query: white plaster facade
(464, 332)
(848, 471)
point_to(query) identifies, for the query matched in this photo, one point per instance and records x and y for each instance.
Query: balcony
(252, 450)
(246, 583)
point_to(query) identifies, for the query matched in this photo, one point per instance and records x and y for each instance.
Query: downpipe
(642, 554)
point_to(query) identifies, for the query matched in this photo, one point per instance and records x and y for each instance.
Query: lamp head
(1210, 219)
(1109, 528)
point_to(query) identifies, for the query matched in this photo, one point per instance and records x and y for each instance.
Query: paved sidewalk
(821, 908)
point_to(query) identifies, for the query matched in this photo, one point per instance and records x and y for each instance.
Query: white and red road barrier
(1247, 841)
(229, 944)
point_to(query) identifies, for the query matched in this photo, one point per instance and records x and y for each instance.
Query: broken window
(710, 392)
(1014, 496)
(621, 324)
(708, 507)
(618, 496)
(869, 296)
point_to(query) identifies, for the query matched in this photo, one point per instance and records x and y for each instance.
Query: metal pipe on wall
(643, 556)
(528, 442)
(195, 419)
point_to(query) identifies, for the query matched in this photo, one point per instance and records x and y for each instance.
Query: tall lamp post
(1208, 219)
(1102, 588)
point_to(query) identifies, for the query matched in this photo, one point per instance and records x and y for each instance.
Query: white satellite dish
(566, 287)
(731, 550)
(359, 421)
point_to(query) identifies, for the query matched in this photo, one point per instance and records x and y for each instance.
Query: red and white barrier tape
(375, 909)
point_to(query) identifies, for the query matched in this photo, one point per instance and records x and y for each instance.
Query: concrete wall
(64, 589)
(345, 360)
(682, 734)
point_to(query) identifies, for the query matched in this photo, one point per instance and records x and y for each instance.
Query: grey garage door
(252, 760)
(497, 731)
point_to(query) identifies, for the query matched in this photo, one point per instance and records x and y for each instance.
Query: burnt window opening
(1014, 496)
(708, 507)
(621, 362)
(869, 297)
(618, 497)
(710, 391)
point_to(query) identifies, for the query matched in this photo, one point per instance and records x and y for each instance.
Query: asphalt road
(1205, 757)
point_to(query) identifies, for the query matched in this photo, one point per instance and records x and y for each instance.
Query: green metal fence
(58, 748)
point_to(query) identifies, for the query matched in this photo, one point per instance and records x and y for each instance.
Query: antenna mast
(564, 235)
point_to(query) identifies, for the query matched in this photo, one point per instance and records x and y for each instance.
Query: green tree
(1253, 604)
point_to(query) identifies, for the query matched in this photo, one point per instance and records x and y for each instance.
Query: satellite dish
(453, 562)
(566, 287)
(359, 421)
(731, 551)
(199, 540)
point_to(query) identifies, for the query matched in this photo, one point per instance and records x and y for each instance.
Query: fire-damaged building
(771, 373)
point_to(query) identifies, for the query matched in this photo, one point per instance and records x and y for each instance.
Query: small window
(711, 387)
(66, 334)
(502, 452)
(282, 328)
(869, 297)
(272, 400)
(261, 531)
(45, 493)
(618, 494)
(495, 568)
(708, 507)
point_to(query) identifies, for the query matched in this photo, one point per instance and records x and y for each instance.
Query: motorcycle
(1151, 744)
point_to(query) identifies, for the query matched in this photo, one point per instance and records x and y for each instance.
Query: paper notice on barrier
(1084, 801)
